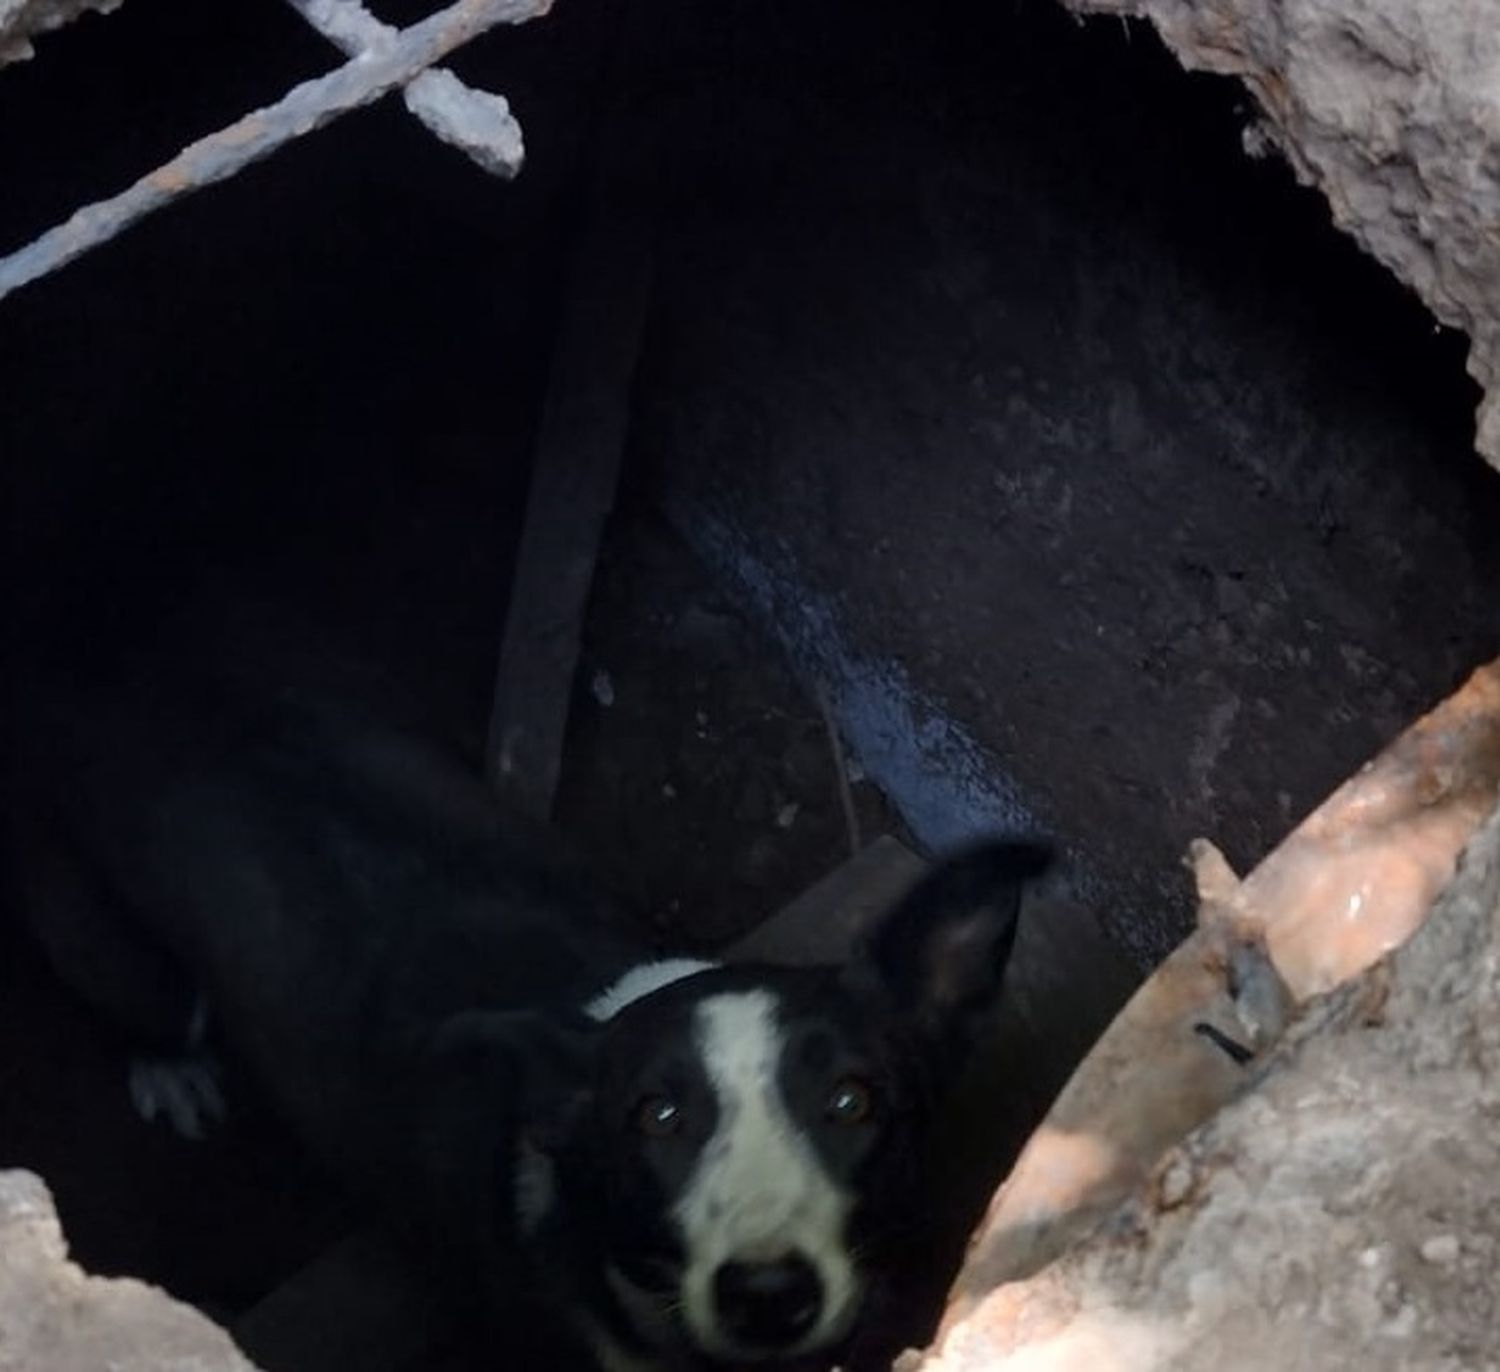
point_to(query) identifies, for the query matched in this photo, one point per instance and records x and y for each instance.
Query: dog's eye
(658, 1117)
(850, 1102)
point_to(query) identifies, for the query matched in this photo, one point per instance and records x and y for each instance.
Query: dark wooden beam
(584, 427)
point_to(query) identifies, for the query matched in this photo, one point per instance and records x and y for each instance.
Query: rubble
(1337, 1203)
(1343, 1212)
(54, 1317)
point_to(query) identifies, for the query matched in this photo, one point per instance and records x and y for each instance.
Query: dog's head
(735, 1145)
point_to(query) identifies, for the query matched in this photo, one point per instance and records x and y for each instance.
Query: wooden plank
(582, 436)
(822, 924)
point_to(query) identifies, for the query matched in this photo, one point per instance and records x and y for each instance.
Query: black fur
(402, 967)
(340, 892)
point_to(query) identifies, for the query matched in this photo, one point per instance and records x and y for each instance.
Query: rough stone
(1343, 1212)
(1391, 108)
(54, 1317)
(22, 20)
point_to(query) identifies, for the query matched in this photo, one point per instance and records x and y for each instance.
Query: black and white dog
(703, 1166)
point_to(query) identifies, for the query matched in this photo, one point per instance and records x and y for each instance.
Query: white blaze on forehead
(639, 982)
(759, 1191)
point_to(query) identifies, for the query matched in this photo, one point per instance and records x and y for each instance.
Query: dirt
(698, 773)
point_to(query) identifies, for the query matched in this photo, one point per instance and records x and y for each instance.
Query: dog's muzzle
(768, 1306)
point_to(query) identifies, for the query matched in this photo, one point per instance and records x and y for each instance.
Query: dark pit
(1005, 449)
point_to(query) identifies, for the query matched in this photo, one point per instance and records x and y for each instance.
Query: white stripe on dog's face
(759, 1192)
(639, 982)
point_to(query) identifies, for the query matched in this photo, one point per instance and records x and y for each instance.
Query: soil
(698, 773)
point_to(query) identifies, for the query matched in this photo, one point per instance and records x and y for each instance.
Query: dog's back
(333, 886)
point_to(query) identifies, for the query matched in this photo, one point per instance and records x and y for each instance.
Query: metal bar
(473, 121)
(308, 106)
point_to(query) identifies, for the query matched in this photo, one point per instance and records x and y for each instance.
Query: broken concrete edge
(1343, 1211)
(22, 21)
(54, 1317)
(1392, 112)
(1388, 838)
(1357, 877)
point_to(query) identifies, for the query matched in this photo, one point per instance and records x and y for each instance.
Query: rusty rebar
(308, 106)
(475, 122)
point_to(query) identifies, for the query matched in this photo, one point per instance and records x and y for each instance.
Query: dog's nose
(768, 1304)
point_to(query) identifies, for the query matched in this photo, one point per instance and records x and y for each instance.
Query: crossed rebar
(380, 59)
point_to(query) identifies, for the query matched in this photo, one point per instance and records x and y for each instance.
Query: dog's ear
(939, 956)
(544, 1064)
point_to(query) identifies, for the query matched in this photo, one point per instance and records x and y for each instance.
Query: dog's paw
(184, 1089)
